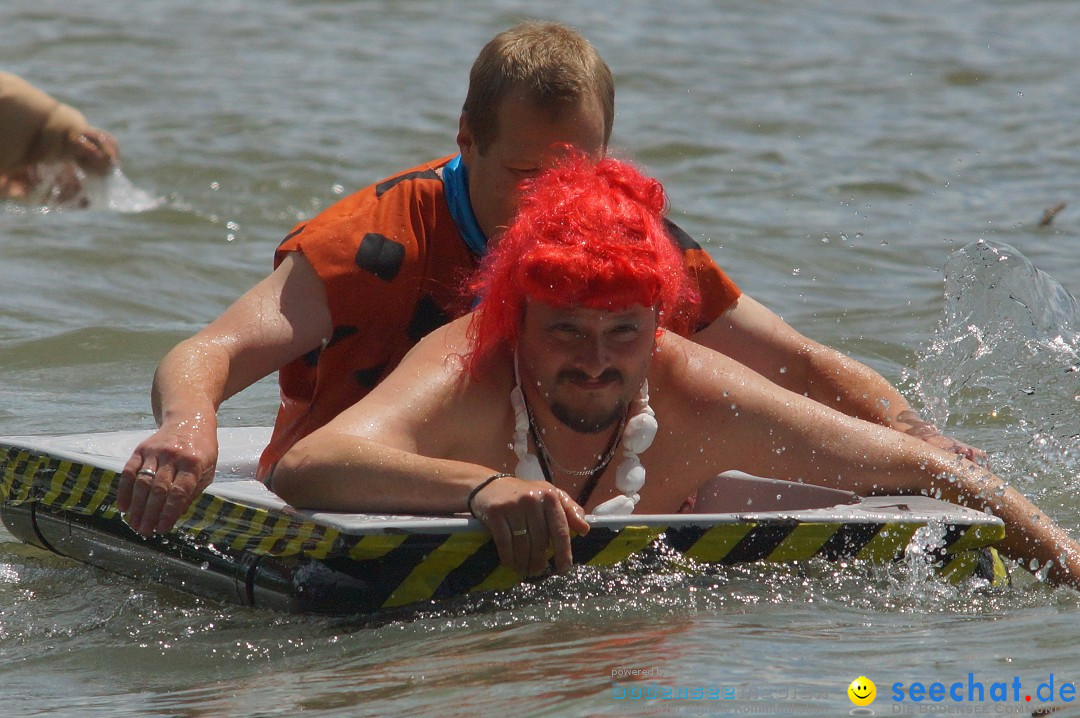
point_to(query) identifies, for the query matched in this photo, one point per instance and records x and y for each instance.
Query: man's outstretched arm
(745, 423)
(279, 319)
(343, 472)
(756, 337)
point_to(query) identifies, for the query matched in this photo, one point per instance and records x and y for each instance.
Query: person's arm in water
(380, 455)
(732, 420)
(753, 335)
(37, 129)
(279, 319)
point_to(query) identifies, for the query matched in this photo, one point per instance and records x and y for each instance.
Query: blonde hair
(554, 64)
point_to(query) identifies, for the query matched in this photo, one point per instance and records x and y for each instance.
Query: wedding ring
(519, 532)
(146, 472)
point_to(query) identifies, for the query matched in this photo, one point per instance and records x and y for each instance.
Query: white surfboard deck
(732, 497)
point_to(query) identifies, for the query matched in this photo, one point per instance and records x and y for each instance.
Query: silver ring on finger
(149, 473)
(520, 532)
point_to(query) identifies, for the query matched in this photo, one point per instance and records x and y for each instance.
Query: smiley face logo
(862, 691)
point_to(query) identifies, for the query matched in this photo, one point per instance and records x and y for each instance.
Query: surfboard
(239, 542)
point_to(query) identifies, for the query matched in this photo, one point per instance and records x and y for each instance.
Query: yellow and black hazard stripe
(433, 566)
(393, 569)
(28, 476)
(59, 483)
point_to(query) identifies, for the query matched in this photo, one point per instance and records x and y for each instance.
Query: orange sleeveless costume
(393, 261)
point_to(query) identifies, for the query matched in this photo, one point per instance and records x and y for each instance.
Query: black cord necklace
(594, 476)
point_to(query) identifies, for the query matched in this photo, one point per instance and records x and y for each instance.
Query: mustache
(576, 375)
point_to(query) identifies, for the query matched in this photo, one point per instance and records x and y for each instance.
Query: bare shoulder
(442, 350)
(423, 380)
(695, 372)
(429, 399)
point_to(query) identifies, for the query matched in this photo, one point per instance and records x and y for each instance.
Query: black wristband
(476, 490)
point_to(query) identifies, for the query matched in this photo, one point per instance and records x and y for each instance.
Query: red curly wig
(586, 234)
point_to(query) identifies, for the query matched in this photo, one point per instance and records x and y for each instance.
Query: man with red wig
(569, 391)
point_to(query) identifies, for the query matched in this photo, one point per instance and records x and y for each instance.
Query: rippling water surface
(839, 159)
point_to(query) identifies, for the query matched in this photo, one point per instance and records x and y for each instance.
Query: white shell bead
(640, 432)
(618, 506)
(630, 476)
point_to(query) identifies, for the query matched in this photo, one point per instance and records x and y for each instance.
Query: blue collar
(456, 183)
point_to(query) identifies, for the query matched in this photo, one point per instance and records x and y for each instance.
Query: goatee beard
(588, 423)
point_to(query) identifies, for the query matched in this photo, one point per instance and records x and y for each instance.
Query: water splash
(66, 187)
(1006, 358)
(663, 584)
(118, 194)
